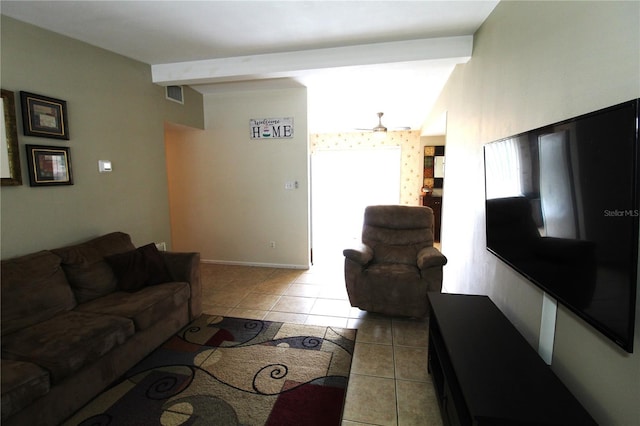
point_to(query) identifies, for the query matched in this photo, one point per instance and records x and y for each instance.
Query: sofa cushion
(389, 253)
(67, 342)
(139, 268)
(34, 288)
(392, 274)
(145, 307)
(89, 274)
(396, 289)
(22, 383)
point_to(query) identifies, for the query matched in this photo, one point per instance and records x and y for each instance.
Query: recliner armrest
(429, 257)
(361, 255)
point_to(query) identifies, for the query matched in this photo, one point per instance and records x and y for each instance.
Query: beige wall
(411, 155)
(115, 113)
(536, 63)
(228, 199)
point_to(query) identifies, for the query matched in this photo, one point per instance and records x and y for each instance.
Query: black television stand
(486, 373)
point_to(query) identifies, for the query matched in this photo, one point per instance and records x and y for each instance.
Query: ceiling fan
(381, 128)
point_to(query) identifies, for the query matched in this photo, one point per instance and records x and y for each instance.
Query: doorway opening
(343, 183)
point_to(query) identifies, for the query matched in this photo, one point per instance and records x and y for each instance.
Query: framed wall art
(43, 116)
(49, 165)
(10, 171)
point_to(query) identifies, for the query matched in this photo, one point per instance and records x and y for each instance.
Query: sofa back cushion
(89, 274)
(34, 288)
(139, 268)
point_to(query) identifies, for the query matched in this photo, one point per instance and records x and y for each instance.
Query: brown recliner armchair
(396, 264)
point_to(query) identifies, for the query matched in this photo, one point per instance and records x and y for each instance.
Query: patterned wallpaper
(411, 149)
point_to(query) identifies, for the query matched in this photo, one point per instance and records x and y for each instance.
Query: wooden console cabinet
(486, 373)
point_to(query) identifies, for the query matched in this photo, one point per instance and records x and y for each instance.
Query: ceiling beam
(288, 64)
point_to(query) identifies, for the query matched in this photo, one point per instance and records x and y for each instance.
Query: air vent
(174, 93)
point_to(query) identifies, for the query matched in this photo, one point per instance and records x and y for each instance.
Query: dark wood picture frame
(10, 170)
(49, 165)
(44, 116)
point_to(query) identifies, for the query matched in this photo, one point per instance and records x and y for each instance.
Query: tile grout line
(395, 373)
(351, 320)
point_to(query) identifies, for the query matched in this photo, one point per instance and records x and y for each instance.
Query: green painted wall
(115, 113)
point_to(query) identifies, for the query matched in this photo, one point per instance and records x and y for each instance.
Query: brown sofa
(75, 319)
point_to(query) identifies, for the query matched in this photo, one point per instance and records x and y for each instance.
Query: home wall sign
(271, 128)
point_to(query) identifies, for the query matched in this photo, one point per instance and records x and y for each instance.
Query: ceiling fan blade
(381, 127)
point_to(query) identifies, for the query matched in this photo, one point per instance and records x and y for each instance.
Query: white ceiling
(353, 70)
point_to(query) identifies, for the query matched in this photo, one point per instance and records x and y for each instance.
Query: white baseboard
(263, 265)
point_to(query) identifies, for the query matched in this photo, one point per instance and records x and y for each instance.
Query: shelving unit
(433, 182)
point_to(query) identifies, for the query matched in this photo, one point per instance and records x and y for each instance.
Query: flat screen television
(562, 209)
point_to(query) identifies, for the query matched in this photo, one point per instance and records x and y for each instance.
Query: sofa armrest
(361, 254)
(430, 257)
(186, 267)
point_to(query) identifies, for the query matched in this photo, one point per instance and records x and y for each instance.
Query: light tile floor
(389, 383)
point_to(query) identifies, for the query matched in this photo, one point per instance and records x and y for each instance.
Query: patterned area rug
(232, 371)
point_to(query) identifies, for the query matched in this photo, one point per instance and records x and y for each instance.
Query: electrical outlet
(272, 244)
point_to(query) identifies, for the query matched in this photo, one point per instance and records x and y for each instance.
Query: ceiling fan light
(379, 135)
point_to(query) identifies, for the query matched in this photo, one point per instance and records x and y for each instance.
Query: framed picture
(9, 154)
(43, 116)
(49, 165)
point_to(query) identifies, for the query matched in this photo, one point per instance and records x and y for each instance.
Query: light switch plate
(104, 166)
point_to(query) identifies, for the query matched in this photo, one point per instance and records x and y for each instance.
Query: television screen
(562, 209)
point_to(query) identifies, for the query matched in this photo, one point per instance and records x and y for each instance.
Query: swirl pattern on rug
(233, 371)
